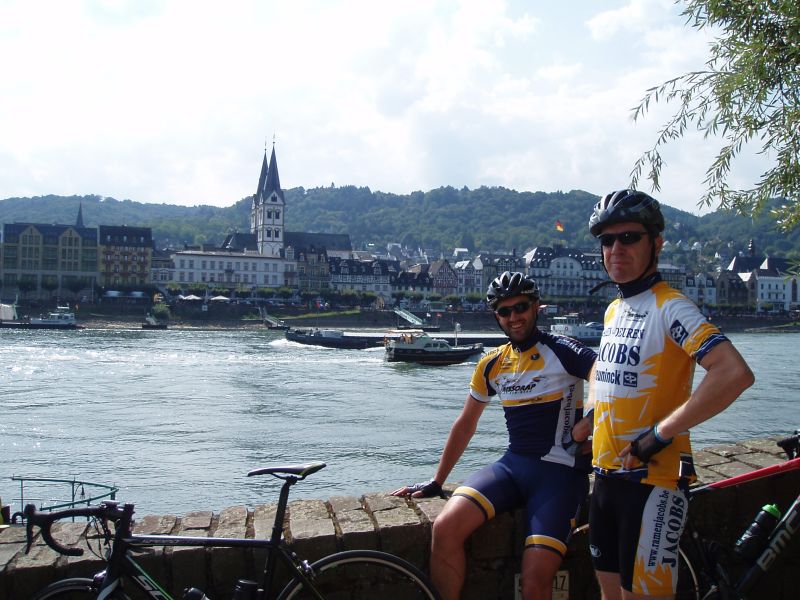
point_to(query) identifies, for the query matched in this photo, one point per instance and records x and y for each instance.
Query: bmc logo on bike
(147, 586)
(780, 540)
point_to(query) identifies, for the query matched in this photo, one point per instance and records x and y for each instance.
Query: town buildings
(39, 260)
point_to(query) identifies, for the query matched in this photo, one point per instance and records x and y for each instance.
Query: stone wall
(315, 528)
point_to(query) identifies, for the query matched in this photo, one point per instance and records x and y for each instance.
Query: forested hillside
(489, 219)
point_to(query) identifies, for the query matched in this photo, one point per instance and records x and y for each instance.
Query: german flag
(559, 226)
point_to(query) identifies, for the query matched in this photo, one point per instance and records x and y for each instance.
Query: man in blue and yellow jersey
(538, 378)
(643, 403)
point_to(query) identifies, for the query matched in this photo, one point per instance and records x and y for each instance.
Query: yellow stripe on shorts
(547, 542)
(478, 498)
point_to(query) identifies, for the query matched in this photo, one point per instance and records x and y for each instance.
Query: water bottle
(194, 594)
(754, 540)
(245, 590)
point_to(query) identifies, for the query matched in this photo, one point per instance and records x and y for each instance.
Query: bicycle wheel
(78, 588)
(362, 574)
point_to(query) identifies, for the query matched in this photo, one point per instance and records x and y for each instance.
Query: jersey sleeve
(689, 328)
(480, 387)
(576, 357)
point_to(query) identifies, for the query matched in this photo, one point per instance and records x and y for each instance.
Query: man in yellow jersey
(644, 405)
(538, 378)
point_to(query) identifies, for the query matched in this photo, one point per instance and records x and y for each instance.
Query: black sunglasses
(626, 238)
(519, 308)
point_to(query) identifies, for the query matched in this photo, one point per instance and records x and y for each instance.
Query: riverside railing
(77, 495)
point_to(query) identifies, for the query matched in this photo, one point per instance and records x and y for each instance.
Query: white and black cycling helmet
(509, 285)
(627, 206)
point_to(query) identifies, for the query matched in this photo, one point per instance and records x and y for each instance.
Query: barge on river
(332, 338)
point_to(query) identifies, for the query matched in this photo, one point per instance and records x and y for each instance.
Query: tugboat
(419, 347)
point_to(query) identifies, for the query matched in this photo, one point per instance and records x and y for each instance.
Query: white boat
(571, 326)
(419, 347)
(61, 318)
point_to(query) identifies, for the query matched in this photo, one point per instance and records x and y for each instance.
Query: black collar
(626, 290)
(528, 343)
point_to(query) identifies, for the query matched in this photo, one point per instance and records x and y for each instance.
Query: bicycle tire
(76, 588)
(362, 574)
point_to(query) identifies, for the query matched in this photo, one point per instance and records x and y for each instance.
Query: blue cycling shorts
(551, 494)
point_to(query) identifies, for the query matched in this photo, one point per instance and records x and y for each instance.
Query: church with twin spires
(268, 255)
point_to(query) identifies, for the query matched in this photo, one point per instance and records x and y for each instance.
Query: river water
(176, 418)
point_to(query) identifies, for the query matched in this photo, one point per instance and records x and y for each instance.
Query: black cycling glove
(648, 444)
(429, 489)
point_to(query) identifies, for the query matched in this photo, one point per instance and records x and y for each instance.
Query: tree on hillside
(748, 93)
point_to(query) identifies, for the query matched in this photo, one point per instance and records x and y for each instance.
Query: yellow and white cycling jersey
(651, 341)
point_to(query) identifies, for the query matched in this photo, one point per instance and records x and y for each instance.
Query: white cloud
(173, 101)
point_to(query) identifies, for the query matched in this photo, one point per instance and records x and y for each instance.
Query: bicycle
(352, 574)
(706, 567)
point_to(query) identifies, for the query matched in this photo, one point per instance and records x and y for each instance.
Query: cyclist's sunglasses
(626, 238)
(519, 308)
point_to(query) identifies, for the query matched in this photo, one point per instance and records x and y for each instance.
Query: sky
(176, 101)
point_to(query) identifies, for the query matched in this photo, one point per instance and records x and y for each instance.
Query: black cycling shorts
(634, 530)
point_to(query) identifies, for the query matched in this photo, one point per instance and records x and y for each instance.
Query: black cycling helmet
(509, 285)
(625, 206)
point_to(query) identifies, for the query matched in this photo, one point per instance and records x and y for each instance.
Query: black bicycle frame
(122, 564)
(779, 538)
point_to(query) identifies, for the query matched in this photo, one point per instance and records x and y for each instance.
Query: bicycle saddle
(300, 471)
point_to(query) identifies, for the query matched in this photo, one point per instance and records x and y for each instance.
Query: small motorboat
(419, 347)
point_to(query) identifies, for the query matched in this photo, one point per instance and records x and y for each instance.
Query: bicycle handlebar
(107, 511)
(791, 444)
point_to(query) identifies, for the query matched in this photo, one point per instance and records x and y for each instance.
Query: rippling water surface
(176, 418)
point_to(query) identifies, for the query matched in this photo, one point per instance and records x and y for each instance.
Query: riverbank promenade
(375, 520)
(238, 317)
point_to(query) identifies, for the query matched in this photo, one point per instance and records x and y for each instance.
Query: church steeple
(262, 180)
(266, 214)
(79, 220)
(273, 183)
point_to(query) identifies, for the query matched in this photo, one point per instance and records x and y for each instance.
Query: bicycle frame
(779, 539)
(121, 564)
(124, 565)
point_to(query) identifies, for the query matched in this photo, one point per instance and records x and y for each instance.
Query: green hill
(488, 219)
